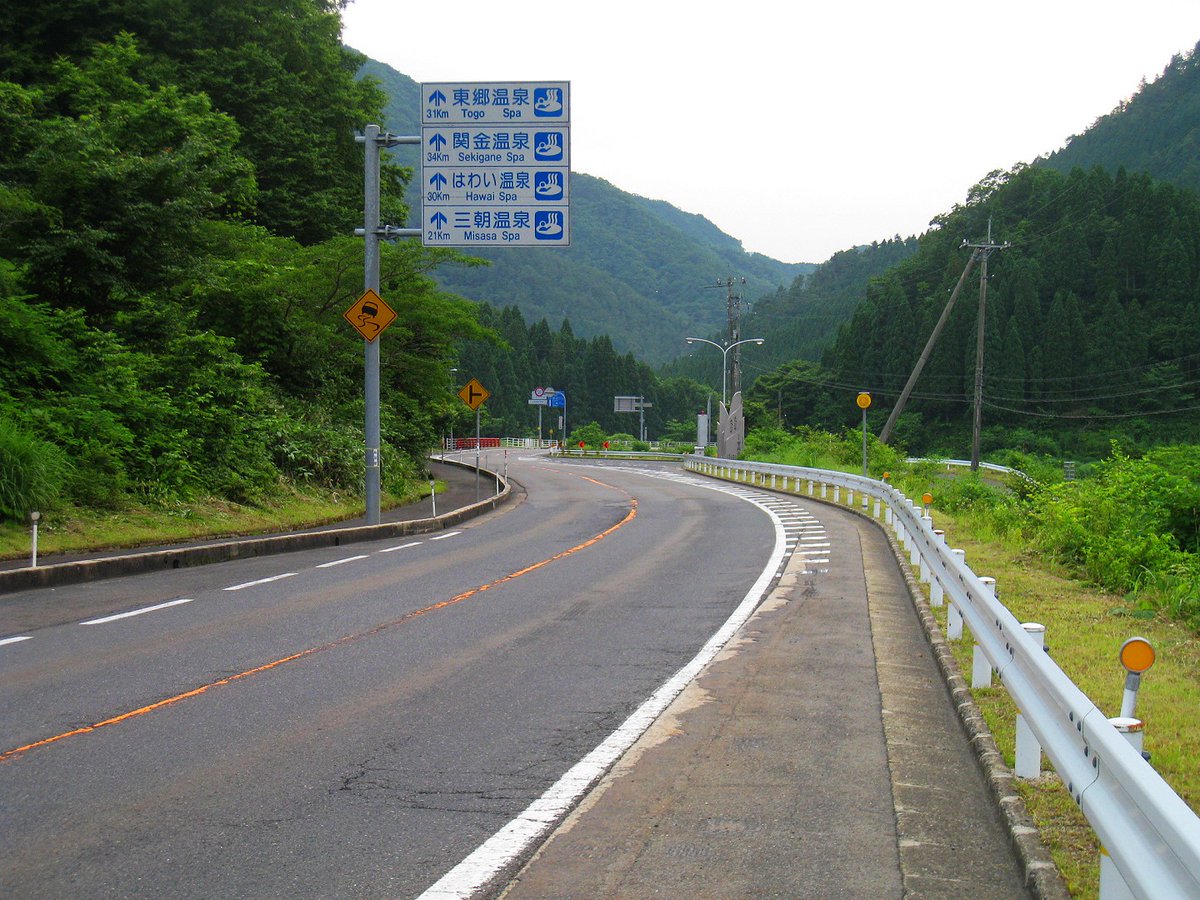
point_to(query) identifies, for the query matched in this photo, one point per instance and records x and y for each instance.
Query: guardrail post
(824, 490)
(981, 666)
(926, 568)
(837, 493)
(954, 620)
(1028, 763)
(849, 496)
(936, 593)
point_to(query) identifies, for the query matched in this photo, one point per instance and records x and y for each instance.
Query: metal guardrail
(1149, 833)
(966, 464)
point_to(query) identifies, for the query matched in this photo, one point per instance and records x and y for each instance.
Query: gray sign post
(372, 234)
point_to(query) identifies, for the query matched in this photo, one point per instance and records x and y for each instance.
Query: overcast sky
(800, 129)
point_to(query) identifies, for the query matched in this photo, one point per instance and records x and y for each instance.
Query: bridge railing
(1148, 833)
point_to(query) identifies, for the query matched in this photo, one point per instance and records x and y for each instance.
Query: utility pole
(984, 250)
(886, 434)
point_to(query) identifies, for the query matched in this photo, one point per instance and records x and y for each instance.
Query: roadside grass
(292, 508)
(1084, 632)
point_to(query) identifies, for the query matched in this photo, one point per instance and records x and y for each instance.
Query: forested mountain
(637, 269)
(588, 370)
(800, 321)
(1157, 131)
(1092, 320)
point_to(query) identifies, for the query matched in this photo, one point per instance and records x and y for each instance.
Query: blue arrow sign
(438, 180)
(437, 98)
(438, 220)
(437, 141)
(559, 399)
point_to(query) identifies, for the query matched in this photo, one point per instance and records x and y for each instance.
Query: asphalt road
(352, 722)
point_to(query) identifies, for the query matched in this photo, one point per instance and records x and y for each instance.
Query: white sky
(800, 129)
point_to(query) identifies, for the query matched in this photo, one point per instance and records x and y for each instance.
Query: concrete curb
(30, 578)
(1042, 877)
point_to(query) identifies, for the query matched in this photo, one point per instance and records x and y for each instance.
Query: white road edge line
(338, 562)
(136, 612)
(238, 587)
(442, 537)
(511, 841)
(15, 640)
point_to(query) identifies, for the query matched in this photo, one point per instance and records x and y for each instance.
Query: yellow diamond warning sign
(474, 394)
(369, 315)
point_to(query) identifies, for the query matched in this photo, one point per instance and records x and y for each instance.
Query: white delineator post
(1028, 762)
(954, 620)
(981, 666)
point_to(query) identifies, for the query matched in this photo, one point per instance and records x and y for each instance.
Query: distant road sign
(369, 315)
(540, 396)
(495, 164)
(474, 394)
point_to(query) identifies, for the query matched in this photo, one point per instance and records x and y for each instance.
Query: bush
(32, 472)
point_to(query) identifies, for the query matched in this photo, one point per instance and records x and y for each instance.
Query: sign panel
(474, 394)
(495, 164)
(447, 103)
(540, 396)
(630, 404)
(369, 315)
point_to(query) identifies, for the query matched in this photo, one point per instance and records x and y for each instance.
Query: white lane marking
(15, 640)
(401, 547)
(338, 562)
(136, 612)
(238, 587)
(511, 841)
(442, 537)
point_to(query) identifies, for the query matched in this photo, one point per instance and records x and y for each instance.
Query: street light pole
(724, 348)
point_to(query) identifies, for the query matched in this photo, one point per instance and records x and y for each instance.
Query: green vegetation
(82, 530)
(174, 264)
(1155, 131)
(589, 371)
(1092, 318)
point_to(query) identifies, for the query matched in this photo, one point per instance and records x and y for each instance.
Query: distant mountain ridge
(1156, 131)
(638, 270)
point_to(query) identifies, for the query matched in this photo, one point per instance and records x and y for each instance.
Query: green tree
(117, 182)
(277, 67)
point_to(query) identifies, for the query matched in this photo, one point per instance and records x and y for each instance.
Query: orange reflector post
(1137, 655)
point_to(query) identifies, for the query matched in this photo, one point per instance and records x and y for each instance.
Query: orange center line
(408, 617)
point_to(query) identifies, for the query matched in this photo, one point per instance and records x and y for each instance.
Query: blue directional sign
(558, 398)
(495, 164)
